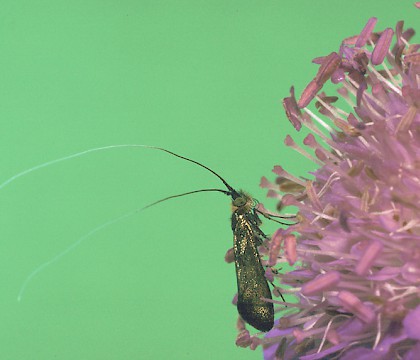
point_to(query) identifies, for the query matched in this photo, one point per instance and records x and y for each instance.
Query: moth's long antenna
(100, 227)
(230, 188)
(108, 147)
(183, 194)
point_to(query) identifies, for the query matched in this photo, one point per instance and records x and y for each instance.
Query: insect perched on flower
(357, 243)
(254, 300)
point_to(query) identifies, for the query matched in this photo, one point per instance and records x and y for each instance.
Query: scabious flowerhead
(357, 241)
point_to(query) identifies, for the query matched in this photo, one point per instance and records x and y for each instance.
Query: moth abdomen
(260, 316)
(253, 289)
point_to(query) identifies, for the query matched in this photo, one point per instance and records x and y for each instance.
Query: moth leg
(275, 271)
(255, 223)
(259, 237)
(272, 217)
(277, 288)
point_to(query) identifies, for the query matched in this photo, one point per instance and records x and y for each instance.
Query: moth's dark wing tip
(264, 326)
(261, 317)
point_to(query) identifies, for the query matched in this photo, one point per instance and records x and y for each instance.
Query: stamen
(351, 303)
(407, 119)
(411, 272)
(382, 46)
(310, 141)
(283, 173)
(269, 275)
(313, 197)
(395, 79)
(255, 343)
(366, 33)
(385, 81)
(243, 339)
(321, 283)
(309, 93)
(307, 122)
(368, 98)
(288, 141)
(319, 120)
(368, 258)
(335, 111)
(344, 92)
(293, 112)
(332, 178)
(411, 224)
(331, 335)
(287, 186)
(293, 321)
(322, 216)
(299, 335)
(328, 66)
(266, 184)
(275, 247)
(334, 254)
(290, 249)
(378, 332)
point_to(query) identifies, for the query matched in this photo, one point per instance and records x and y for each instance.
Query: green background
(202, 78)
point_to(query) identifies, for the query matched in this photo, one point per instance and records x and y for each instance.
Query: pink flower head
(357, 239)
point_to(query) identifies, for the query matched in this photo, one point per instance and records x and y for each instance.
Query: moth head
(242, 202)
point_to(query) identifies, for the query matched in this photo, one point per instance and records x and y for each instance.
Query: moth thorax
(243, 203)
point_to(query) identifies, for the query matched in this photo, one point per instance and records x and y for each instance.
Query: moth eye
(238, 202)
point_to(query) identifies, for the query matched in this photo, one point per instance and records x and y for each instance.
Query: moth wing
(252, 284)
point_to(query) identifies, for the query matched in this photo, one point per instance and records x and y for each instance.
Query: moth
(254, 296)
(250, 275)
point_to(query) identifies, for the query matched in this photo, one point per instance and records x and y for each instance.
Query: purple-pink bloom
(357, 239)
(411, 323)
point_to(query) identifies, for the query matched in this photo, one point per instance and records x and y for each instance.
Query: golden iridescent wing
(252, 284)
